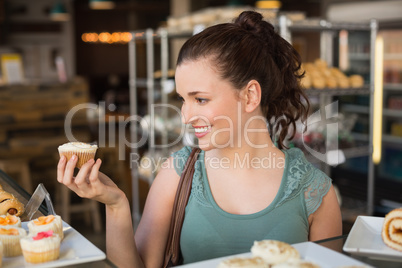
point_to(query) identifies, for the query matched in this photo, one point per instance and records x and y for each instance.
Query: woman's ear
(252, 95)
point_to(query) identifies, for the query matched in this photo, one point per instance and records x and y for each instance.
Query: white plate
(365, 239)
(74, 249)
(322, 256)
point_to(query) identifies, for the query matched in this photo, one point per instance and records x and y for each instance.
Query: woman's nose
(187, 115)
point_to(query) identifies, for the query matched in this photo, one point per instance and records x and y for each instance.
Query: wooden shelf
(32, 118)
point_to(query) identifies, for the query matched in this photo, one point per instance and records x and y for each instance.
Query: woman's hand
(89, 182)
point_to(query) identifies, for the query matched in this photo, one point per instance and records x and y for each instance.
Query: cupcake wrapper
(40, 257)
(83, 157)
(11, 245)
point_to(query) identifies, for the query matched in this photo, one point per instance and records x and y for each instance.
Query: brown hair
(247, 49)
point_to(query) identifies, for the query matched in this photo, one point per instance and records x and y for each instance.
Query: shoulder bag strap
(172, 252)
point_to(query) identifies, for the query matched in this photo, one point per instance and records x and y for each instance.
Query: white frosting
(41, 245)
(77, 145)
(56, 225)
(21, 231)
(274, 252)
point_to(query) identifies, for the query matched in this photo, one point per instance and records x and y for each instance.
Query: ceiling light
(268, 4)
(101, 4)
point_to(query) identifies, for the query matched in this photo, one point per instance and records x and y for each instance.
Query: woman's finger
(94, 175)
(69, 171)
(60, 168)
(83, 173)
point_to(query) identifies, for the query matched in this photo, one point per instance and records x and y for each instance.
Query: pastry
(331, 82)
(252, 262)
(9, 204)
(83, 151)
(10, 237)
(391, 232)
(318, 82)
(343, 82)
(274, 252)
(356, 80)
(296, 264)
(42, 247)
(321, 76)
(10, 221)
(46, 223)
(321, 64)
(336, 72)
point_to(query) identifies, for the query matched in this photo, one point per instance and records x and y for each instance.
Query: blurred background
(57, 54)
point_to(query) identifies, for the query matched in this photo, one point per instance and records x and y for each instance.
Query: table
(10, 185)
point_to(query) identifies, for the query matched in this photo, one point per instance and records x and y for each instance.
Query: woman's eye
(201, 100)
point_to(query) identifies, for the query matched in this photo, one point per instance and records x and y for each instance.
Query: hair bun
(249, 20)
(254, 23)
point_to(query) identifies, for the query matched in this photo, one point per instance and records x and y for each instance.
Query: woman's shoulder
(300, 167)
(180, 158)
(295, 154)
(184, 152)
(297, 164)
(304, 177)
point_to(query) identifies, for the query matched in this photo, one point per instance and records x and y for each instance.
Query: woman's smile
(201, 131)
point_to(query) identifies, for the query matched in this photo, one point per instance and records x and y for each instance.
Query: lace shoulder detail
(316, 188)
(302, 176)
(180, 158)
(197, 188)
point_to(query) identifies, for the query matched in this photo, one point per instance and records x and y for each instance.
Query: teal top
(210, 232)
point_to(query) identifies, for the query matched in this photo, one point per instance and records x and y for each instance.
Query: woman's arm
(120, 246)
(92, 184)
(151, 234)
(326, 221)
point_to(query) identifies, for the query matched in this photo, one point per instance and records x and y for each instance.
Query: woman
(239, 83)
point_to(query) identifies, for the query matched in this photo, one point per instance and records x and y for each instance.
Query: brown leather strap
(172, 252)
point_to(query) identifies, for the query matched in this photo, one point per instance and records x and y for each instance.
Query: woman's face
(210, 104)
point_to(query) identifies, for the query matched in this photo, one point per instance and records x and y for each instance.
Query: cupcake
(42, 247)
(10, 220)
(238, 262)
(274, 252)
(10, 237)
(83, 151)
(46, 223)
